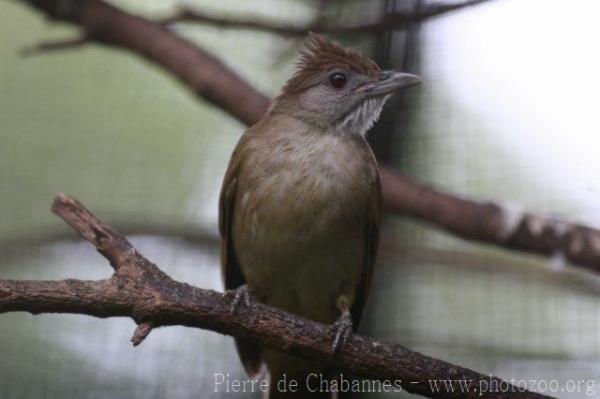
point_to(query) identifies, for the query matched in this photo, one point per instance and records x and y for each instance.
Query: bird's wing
(371, 242)
(248, 351)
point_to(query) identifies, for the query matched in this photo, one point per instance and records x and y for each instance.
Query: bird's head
(337, 89)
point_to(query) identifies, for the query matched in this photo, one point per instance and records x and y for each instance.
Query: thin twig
(392, 21)
(141, 332)
(64, 44)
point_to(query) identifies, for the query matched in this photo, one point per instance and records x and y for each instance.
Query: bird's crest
(320, 55)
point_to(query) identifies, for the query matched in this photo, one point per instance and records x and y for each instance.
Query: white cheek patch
(363, 117)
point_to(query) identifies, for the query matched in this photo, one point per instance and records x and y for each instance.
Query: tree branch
(392, 21)
(439, 8)
(65, 44)
(492, 223)
(211, 80)
(204, 74)
(140, 290)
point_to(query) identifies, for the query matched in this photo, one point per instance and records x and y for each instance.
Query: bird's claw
(342, 328)
(239, 294)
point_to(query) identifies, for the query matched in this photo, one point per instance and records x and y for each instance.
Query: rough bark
(140, 290)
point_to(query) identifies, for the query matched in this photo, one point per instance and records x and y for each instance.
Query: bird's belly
(300, 249)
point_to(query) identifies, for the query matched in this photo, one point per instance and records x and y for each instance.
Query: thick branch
(141, 291)
(207, 76)
(493, 223)
(213, 81)
(392, 21)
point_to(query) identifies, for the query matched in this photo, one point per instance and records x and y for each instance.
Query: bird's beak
(388, 82)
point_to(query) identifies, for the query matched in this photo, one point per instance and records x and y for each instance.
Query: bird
(300, 204)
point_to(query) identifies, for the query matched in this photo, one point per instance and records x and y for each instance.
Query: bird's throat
(361, 118)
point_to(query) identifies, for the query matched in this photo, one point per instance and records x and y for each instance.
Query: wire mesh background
(508, 111)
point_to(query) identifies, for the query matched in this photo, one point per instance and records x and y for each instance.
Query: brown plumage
(322, 55)
(300, 203)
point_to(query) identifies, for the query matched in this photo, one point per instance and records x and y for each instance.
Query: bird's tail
(296, 378)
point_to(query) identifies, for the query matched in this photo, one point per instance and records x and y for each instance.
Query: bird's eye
(338, 80)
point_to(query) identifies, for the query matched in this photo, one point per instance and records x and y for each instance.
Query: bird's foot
(342, 329)
(240, 294)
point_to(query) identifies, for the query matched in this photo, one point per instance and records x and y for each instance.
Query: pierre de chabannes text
(223, 382)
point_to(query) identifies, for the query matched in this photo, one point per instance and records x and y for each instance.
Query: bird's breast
(300, 219)
(307, 187)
